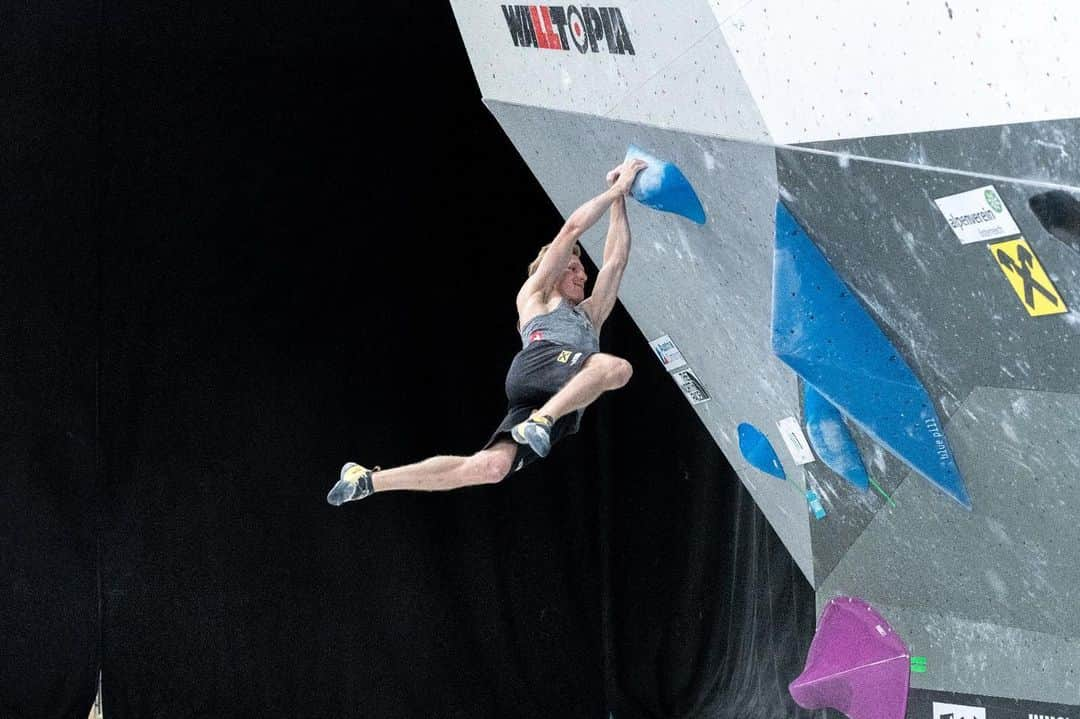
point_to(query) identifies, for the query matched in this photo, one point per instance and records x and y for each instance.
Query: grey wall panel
(708, 287)
(951, 312)
(975, 657)
(849, 510)
(1008, 566)
(937, 299)
(1036, 151)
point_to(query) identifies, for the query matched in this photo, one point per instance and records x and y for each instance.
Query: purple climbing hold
(856, 664)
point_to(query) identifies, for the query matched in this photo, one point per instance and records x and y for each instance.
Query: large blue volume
(823, 333)
(662, 186)
(831, 440)
(758, 451)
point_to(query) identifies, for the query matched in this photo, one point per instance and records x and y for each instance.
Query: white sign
(958, 711)
(668, 353)
(691, 386)
(795, 440)
(978, 215)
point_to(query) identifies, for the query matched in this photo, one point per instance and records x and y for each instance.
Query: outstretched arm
(616, 255)
(554, 262)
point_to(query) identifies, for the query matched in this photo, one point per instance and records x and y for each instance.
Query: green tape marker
(883, 494)
(918, 665)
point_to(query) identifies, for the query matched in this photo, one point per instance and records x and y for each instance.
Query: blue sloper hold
(831, 440)
(758, 452)
(823, 333)
(662, 186)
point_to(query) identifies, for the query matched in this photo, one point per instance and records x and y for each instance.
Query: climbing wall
(925, 152)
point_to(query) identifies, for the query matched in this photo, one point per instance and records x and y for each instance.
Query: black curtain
(48, 518)
(246, 243)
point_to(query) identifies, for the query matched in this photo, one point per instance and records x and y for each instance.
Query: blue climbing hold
(758, 452)
(831, 440)
(823, 333)
(662, 186)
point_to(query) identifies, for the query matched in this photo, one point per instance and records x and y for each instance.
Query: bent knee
(622, 372)
(491, 466)
(617, 371)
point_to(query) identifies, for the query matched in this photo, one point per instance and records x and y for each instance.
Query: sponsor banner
(604, 60)
(795, 440)
(1028, 278)
(669, 354)
(691, 386)
(566, 28)
(927, 704)
(978, 215)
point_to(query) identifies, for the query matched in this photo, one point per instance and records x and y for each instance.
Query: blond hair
(543, 251)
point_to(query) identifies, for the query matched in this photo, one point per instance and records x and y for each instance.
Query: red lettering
(546, 37)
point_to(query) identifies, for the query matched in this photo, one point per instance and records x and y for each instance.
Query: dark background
(242, 244)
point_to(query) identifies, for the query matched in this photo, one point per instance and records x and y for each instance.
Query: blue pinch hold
(757, 450)
(831, 439)
(662, 186)
(822, 331)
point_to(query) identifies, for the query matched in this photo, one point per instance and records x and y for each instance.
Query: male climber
(559, 370)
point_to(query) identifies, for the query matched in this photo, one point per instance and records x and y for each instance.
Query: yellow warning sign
(1027, 277)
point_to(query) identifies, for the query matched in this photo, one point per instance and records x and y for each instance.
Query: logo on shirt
(563, 356)
(536, 335)
(553, 27)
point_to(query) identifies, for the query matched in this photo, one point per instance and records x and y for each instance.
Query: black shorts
(539, 371)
